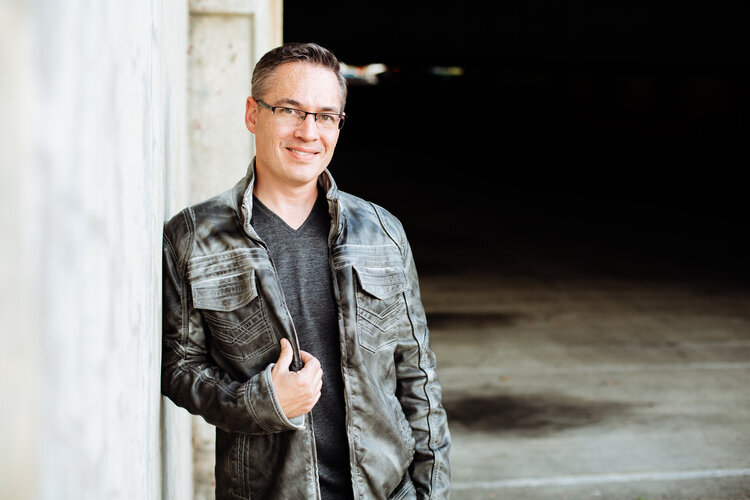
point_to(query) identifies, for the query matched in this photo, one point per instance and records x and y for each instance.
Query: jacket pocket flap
(225, 293)
(382, 282)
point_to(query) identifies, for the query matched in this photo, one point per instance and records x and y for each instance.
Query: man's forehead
(302, 83)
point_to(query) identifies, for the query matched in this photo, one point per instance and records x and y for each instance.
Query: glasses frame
(342, 116)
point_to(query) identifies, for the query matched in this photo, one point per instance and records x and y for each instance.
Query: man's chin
(305, 174)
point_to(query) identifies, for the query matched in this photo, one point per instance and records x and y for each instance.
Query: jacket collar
(245, 193)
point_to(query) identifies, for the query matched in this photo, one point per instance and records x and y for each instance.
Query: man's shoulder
(217, 210)
(360, 209)
(353, 202)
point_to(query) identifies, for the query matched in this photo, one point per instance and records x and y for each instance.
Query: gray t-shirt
(302, 263)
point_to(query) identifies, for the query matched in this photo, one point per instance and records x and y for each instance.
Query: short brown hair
(295, 52)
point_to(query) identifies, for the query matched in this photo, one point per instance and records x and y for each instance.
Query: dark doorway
(612, 134)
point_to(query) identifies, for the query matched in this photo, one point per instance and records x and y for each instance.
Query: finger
(315, 401)
(285, 356)
(318, 377)
(305, 356)
(310, 361)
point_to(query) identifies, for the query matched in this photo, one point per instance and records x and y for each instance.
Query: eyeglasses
(295, 117)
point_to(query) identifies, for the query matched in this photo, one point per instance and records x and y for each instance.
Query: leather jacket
(224, 315)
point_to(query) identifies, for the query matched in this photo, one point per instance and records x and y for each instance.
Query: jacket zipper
(342, 348)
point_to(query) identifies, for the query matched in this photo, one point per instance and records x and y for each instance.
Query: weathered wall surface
(93, 143)
(227, 37)
(114, 116)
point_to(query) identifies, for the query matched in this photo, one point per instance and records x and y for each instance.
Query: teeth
(300, 152)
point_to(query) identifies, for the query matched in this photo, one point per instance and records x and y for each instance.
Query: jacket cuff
(264, 406)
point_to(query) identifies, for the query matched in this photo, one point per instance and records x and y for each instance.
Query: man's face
(294, 156)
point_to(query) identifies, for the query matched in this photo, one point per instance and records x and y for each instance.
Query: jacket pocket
(235, 314)
(405, 490)
(380, 305)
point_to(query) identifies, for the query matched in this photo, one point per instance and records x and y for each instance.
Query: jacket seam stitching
(200, 377)
(430, 404)
(251, 406)
(385, 227)
(189, 218)
(171, 249)
(185, 326)
(241, 458)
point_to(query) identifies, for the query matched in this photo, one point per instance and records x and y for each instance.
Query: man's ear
(251, 114)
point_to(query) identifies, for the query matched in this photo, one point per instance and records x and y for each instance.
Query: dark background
(609, 135)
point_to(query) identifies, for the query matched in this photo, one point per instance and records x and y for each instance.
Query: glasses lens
(288, 116)
(328, 121)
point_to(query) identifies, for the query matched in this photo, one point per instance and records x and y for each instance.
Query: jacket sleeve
(190, 376)
(420, 395)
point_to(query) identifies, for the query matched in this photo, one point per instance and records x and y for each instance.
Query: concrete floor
(570, 381)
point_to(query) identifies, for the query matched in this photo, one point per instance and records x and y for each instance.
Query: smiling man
(292, 315)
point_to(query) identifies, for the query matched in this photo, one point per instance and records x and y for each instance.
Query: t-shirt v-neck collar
(280, 223)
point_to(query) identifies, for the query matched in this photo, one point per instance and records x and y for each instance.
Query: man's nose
(308, 128)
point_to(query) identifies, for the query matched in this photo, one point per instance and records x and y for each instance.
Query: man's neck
(292, 205)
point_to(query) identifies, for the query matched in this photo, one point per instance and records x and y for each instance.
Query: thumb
(286, 355)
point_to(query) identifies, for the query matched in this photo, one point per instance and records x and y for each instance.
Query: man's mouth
(302, 152)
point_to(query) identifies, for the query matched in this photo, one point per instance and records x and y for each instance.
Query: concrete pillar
(92, 129)
(19, 274)
(227, 37)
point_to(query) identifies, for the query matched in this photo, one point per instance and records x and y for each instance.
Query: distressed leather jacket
(224, 315)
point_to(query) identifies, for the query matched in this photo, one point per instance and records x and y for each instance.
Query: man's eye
(286, 111)
(326, 118)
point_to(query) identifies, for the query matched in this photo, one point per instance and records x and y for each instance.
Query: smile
(302, 152)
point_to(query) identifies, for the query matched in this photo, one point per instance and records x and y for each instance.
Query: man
(292, 315)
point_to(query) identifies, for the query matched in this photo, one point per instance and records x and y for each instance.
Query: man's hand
(297, 392)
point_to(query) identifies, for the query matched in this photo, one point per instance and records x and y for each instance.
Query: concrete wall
(93, 133)
(109, 109)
